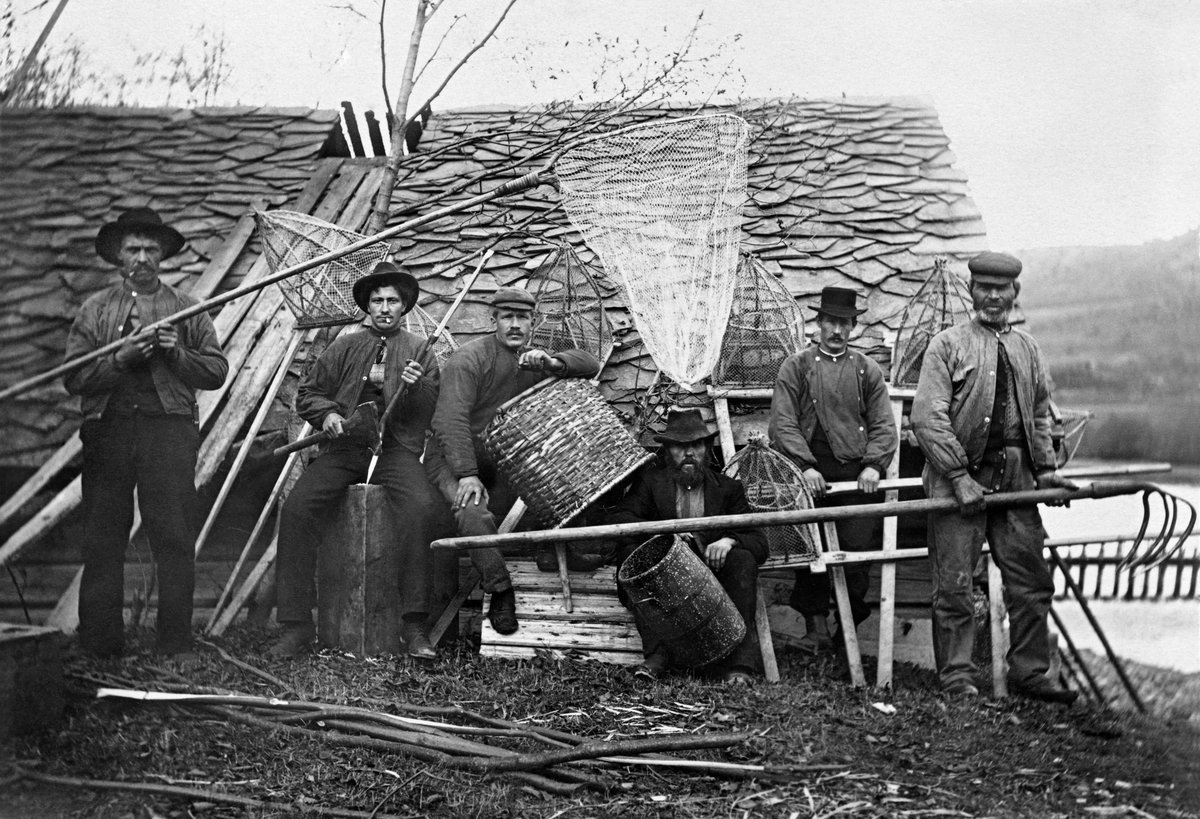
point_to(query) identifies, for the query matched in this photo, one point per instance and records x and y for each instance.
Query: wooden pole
(887, 579)
(18, 79)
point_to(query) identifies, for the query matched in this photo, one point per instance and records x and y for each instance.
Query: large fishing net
(323, 295)
(942, 302)
(661, 203)
(775, 484)
(765, 327)
(570, 306)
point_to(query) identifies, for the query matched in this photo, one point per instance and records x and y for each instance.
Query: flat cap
(514, 298)
(999, 267)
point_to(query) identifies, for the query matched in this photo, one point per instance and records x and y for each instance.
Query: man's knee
(474, 519)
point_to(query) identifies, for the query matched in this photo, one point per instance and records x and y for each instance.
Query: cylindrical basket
(561, 446)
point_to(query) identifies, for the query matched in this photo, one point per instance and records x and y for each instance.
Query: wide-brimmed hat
(991, 267)
(513, 298)
(684, 427)
(142, 221)
(841, 302)
(387, 274)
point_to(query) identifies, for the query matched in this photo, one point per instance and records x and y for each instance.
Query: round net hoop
(323, 295)
(942, 302)
(661, 203)
(774, 483)
(766, 325)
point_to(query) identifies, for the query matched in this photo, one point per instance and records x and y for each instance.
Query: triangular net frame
(570, 306)
(321, 296)
(774, 483)
(419, 322)
(765, 326)
(943, 301)
(661, 204)
(1066, 430)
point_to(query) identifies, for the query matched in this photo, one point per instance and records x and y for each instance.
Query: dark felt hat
(994, 268)
(684, 427)
(384, 274)
(841, 302)
(513, 298)
(142, 221)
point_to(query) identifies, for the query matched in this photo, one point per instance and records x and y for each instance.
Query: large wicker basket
(561, 446)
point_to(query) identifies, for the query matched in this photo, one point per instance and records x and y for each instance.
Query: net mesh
(942, 302)
(422, 324)
(775, 484)
(570, 306)
(323, 295)
(765, 327)
(661, 203)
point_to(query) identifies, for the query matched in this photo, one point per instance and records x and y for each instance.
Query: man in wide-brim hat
(831, 415)
(139, 430)
(684, 485)
(364, 367)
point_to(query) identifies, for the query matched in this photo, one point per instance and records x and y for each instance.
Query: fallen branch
(258, 672)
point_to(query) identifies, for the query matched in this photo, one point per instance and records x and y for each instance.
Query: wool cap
(142, 221)
(513, 298)
(994, 268)
(385, 274)
(841, 302)
(684, 427)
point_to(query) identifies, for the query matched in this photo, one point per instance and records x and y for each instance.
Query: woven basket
(561, 446)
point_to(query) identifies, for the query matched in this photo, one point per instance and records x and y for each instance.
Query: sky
(1077, 123)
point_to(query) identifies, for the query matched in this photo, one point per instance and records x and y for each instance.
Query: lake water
(1162, 633)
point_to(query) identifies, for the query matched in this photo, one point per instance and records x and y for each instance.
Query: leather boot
(503, 611)
(296, 639)
(816, 639)
(416, 640)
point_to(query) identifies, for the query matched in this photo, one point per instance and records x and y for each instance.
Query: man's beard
(689, 474)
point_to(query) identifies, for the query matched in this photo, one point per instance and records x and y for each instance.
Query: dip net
(419, 322)
(774, 484)
(942, 302)
(323, 295)
(765, 327)
(661, 203)
(570, 306)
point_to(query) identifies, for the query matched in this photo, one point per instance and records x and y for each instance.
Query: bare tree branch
(438, 47)
(383, 80)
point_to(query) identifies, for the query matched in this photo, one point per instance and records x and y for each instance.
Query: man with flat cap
(683, 484)
(477, 378)
(982, 417)
(831, 415)
(364, 367)
(140, 430)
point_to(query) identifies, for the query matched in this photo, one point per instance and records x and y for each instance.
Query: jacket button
(987, 420)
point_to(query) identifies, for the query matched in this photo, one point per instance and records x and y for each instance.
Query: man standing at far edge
(982, 417)
(831, 415)
(140, 430)
(476, 379)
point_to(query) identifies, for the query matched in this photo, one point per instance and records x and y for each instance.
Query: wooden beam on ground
(849, 631)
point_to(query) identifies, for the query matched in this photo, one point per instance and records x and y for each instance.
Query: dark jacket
(652, 497)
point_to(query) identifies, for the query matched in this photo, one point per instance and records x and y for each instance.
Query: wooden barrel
(561, 446)
(358, 595)
(678, 599)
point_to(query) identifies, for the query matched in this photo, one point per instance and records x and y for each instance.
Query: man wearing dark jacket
(479, 377)
(685, 486)
(139, 430)
(831, 415)
(367, 366)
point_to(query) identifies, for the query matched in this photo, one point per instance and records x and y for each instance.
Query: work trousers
(157, 455)
(1016, 538)
(477, 518)
(308, 510)
(810, 594)
(739, 577)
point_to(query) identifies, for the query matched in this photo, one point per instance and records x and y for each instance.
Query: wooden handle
(301, 443)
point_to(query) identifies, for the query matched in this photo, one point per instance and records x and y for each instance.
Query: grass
(931, 758)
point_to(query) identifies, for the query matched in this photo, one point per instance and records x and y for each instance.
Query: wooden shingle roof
(67, 171)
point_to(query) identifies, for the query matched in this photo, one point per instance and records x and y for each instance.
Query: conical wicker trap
(323, 295)
(766, 325)
(942, 302)
(570, 306)
(774, 484)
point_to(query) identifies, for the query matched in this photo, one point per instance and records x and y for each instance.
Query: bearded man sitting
(684, 485)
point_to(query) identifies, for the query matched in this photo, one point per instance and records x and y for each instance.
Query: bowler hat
(840, 302)
(385, 274)
(994, 268)
(143, 221)
(684, 427)
(513, 298)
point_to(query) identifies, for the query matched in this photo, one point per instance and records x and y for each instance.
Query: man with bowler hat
(831, 415)
(364, 367)
(981, 415)
(140, 430)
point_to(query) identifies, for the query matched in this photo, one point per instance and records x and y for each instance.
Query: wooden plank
(38, 480)
(887, 583)
(766, 644)
(564, 635)
(530, 653)
(526, 576)
(591, 608)
(996, 616)
(227, 255)
(849, 631)
(725, 430)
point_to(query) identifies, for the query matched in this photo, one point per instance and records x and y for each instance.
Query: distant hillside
(1121, 329)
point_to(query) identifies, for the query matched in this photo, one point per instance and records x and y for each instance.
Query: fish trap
(765, 326)
(570, 306)
(323, 295)
(942, 302)
(774, 484)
